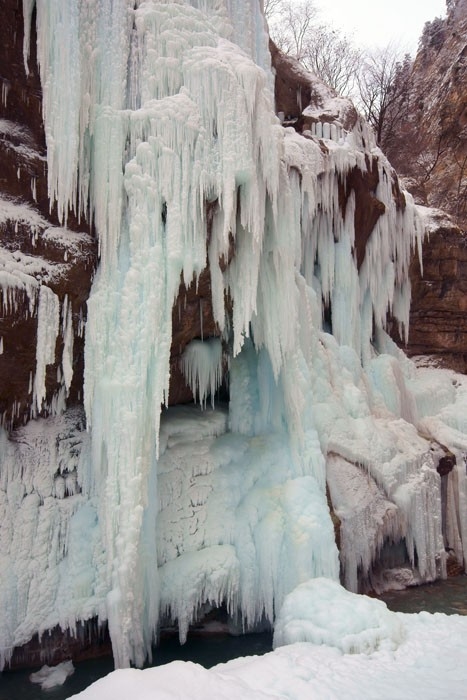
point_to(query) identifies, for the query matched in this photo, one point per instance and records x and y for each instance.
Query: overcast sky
(378, 22)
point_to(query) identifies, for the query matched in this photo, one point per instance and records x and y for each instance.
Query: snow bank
(320, 611)
(430, 663)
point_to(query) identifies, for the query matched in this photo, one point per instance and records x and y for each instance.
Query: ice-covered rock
(52, 676)
(322, 612)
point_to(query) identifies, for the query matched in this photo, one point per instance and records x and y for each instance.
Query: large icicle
(48, 316)
(197, 97)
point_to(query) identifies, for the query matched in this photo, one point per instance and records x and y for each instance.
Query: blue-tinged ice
(181, 509)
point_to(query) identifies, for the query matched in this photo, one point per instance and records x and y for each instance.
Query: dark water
(448, 596)
(207, 651)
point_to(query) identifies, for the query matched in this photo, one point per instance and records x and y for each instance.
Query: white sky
(379, 22)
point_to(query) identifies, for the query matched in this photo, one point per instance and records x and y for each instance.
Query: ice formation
(160, 513)
(27, 284)
(51, 676)
(202, 366)
(320, 611)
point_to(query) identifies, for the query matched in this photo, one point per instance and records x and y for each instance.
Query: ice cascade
(171, 115)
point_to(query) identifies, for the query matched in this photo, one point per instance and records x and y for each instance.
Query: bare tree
(324, 51)
(382, 89)
(426, 155)
(334, 58)
(271, 8)
(291, 25)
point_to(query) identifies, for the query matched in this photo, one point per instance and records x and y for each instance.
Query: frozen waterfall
(152, 111)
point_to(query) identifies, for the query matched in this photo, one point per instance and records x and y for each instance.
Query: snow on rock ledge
(45, 274)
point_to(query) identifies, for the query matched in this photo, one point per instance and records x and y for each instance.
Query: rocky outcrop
(35, 250)
(89, 641)
(430, 152)
(438, 325)
(368, 208)
(315, 110)
(298, 94)
(430, 144)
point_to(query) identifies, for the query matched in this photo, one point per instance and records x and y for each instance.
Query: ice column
(48, 316)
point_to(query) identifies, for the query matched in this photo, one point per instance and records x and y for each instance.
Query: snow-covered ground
(407, 657)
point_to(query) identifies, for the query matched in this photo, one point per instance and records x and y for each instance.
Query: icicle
(202, 368)
(47, 331)
(68, 339)
(28, 6)
(6, 85)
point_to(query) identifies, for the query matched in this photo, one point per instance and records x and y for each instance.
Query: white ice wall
(168, 113)
(51, 556)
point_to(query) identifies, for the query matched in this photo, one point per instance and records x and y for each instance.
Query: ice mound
(320, 611)
(51, 676)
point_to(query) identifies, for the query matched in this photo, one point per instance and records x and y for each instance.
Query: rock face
(192, 317)
(439, 295)
(430, 148)
(430, 152)
(35, 251)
